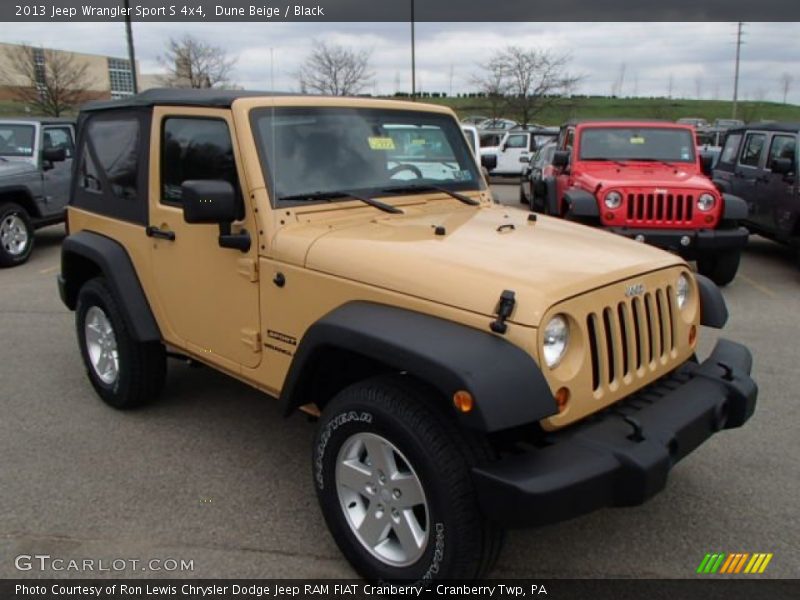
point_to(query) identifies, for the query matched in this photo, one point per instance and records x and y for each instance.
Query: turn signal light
(463, 401)
(562, 398)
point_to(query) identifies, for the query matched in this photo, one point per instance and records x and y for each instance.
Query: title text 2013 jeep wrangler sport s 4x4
(644, 180)
(293, 243)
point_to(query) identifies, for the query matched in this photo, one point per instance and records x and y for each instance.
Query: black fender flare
(22, 195)
(550, 195)
(734, 208)
(111, 259)
(722, 185)
(713, 310)
(581, 203)
(507, 385)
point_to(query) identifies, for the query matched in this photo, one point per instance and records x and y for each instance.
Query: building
(108, 77)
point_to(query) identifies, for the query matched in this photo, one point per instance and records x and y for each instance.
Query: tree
(530, 79)
(192, 63)
(51, 82)
(786, 85)
(335, 70)
(492, 84)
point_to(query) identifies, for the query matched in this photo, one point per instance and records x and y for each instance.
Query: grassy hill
(597, 107)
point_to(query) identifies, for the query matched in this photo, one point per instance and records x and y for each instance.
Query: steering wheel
(405, 167)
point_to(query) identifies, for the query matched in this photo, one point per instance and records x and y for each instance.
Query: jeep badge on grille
(635, 289)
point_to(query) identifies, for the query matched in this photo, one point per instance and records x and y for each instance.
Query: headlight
(613, 200)
(706, 202)
(556, 336)
(682, 290)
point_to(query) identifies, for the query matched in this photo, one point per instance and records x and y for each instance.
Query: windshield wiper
(611, 160)
(311, 196)
(658, 160)
(419, 188)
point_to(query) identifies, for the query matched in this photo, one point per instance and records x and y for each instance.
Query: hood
(12, 167)
(641, 174)
(543, 262)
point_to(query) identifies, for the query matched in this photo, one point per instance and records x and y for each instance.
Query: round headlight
(556, 336)
(613, 200)
(682, 290)
(706, 202)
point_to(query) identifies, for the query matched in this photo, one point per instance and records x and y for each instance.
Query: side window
(58, 137)
(111, 154)
(783, 146)
(731, 148)
(516, 141)
(194, 148)
(753, 148)
(569, 142)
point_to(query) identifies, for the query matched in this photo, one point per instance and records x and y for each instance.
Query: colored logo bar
(735, 563)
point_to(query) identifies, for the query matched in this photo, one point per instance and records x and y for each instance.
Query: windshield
(313, 151)
(637, 143)
(16, 140)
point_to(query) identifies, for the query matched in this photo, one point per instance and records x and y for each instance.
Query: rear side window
(194, 148)
(783, 146)
(111, 158)
(516, 141)
(753, 149)
(728, 154)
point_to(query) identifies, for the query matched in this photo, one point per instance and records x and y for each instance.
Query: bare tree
(49, 81)
(192, 63)
(335, 70)
(531, 79)
(786, 85)
(492, 84)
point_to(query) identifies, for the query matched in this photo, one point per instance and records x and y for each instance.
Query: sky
(697, 58)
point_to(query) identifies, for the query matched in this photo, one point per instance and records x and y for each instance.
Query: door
(513, 153)
(750, 179)
(781, 188)
(207, 295)
(56, 176)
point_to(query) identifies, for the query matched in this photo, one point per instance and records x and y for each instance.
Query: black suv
(759, 164)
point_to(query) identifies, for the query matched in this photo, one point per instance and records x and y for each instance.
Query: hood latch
(505, 307)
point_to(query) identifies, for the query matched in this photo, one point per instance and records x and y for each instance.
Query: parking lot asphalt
(213, 474)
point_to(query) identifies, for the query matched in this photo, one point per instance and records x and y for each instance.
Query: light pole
(736, 75)
(131, 54)
(413, 57)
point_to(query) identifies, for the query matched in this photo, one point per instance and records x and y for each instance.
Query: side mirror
(503, 147)
(489, 161)
(54, 154)
(782, 166)
(214, 202)
(561, 158)
(706, 164)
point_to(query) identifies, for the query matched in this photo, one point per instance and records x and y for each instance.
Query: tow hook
(638, 434)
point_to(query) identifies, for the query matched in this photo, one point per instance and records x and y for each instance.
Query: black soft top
(784, 127)
(178, 97)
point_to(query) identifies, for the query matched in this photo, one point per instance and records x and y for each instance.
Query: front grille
(628, 340)
(660, 208)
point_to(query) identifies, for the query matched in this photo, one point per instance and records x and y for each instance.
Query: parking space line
(52, 269)
(758, 286)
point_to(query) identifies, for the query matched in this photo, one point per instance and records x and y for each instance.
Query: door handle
(155, 232)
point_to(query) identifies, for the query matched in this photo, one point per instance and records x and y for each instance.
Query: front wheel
(720, 267)
(392, 474)
(16, 235)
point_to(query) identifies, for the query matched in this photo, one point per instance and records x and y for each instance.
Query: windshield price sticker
(637, 140)
(381, 143)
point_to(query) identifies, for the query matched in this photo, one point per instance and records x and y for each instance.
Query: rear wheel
(392, 474)
(124, 372)
(720, 267)
(16, 235)
(523, 197)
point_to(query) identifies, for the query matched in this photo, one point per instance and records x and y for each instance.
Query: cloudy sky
(697, 57)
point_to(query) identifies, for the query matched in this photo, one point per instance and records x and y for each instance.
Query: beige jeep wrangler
(473, 367)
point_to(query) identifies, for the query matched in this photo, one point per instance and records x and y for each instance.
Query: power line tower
(739, 43)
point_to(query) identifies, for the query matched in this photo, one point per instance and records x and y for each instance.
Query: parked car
(486, 162)
(728, 123)
(759, 163)
(497, 124)
(473, 119)
(693, 121)
(465, 363)
(35, 173)
(517, 147)
(645, 180)
(539, 168)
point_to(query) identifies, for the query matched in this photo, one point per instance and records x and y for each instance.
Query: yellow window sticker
(418, 142)
(637, 140)
(381, 143)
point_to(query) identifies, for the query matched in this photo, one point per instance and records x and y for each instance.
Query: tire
(16, 235)
(124, 373)
(523, 199)
(720, 267)
(397, 415)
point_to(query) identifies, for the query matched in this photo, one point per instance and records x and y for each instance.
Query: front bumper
(621, 456)
(699, 240)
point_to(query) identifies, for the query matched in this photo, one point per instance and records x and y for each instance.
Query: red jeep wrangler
(645, 180)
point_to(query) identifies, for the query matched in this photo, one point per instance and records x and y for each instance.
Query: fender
(723, 185)
(735, 209)
(551, 195)
(83, 250)
(581, 203)
(508, 387)
(713, 311)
